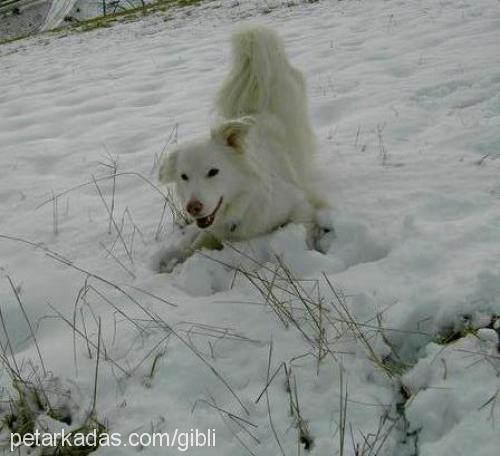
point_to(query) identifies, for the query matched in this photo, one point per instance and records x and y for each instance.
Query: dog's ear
(233, 132)
(168, 168)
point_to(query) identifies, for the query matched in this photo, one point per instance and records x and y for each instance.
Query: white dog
(254, 171)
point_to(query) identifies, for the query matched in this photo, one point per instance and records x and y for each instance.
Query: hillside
(388, 345)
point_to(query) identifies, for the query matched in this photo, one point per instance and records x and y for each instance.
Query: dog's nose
(194, 207)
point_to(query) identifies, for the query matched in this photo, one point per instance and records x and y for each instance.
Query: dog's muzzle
(205, 222)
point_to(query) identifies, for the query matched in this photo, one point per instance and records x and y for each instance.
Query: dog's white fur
(262, 148)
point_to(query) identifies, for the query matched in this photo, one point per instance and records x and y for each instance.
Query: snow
(405, 101)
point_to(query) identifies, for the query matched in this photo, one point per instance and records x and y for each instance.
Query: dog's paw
(166, 259)
(167, 265)
(323, 234)
(324, 238)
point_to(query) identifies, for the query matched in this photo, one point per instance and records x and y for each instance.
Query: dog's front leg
(178, 250)
(205, 240)
(185, 243)
(325, 234)
(303, 213)
(319, 228)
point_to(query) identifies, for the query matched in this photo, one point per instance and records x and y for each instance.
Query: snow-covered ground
(405, 100)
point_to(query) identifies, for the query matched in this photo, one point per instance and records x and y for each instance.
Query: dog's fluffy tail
(259, 68)
(262, 81)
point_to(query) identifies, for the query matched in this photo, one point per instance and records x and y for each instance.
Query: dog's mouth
(205, 222)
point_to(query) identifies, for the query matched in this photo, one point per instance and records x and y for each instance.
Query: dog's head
(210, 172)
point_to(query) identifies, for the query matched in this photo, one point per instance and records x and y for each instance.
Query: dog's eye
(184, 177)
(213, 172)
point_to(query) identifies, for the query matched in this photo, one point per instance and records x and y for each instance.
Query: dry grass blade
(81, 292)
(163, 323)
(113, 165)
(354, 327)
(13, 370)
(304, 437)
(118, 231)
(226, 412)
(149, 313)
(112, 255)
(148, 354)
(176, 212)
(153, 316)
(268, 404)
(32, 333)
(98, 351)
(116, 308)
(342, 411)
(381, 438)
(89, 342)
(85, 333)
(223, 414)
(282, 281)
(159, 227)
(152, 295)
(269, 381)
(311, 307)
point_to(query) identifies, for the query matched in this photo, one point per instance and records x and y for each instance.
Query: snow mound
(209, 272)
(453, 387)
